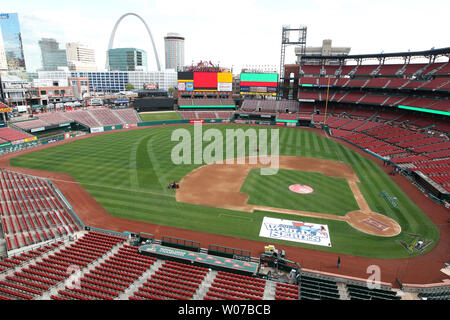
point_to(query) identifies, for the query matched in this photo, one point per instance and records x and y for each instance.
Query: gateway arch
(113, 34)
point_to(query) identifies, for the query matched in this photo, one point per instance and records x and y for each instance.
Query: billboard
(151, 86)
(259, 83)
(205, 81)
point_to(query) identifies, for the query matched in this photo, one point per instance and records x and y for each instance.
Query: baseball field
(128, 172)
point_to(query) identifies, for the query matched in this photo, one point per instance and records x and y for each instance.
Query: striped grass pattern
(128, 172)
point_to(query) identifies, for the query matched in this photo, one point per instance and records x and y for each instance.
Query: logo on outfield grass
(296, 231)
(300, 188)
(250, 142)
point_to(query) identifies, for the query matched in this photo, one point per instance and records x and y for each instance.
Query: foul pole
(326, 102)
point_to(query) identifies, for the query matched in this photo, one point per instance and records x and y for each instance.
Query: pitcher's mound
(300, 188)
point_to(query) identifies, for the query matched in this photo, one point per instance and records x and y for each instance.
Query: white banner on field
(296, 231)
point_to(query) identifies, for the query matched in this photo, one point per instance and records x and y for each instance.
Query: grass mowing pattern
(158, 116)
(330, 196)
(128, 173)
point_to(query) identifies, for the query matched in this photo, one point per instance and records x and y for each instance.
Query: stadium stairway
(3, 252)
(95, 118)
(139, 282)
(205, 285)
(120, 118)
(343, 291)
(269, 291)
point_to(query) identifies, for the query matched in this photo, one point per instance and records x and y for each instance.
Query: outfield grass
(158, 116)
(128, 172)
(330, 196)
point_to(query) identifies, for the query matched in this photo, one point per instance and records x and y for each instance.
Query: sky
(233, 33)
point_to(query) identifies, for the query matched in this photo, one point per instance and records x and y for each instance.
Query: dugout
(430, 186)
(180, 243)
(238, 254)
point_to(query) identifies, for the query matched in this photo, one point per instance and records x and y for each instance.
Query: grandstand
(8, 134)
(271, 106)
(108, 267)
(90, 117)
(32, 211)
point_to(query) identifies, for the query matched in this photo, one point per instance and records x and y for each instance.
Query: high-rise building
(12, 41)
(80, 57)
(174, 47)
(3, 62)
(127, 59)
(52, 56)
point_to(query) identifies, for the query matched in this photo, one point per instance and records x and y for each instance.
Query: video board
(205, 81)
(259, 83)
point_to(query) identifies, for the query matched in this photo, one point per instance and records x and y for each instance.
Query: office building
(114, 81)
(80, 57)
(174, 51)
(12, 42)
(52, 56)
(3, 62)
(127, 59)
(15, 90)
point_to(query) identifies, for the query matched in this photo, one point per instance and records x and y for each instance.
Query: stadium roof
(431, 52)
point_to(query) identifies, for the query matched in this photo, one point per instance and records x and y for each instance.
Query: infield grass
(330, 195)
(128, 172)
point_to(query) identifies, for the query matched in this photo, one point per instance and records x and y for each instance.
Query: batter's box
(375, 224)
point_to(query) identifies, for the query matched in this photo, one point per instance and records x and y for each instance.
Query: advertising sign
(37, 129)
(224, 87)
(151, 86)
(196, 120)
(189, 86)
(97, 129)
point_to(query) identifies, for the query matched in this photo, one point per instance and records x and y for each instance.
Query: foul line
(116, 188)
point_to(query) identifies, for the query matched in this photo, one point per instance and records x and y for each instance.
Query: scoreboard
(259, 83)
(205, 81)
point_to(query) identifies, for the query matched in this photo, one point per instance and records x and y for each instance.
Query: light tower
(300, 42)
(286, 41)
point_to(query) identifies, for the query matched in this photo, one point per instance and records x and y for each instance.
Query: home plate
(300, 188)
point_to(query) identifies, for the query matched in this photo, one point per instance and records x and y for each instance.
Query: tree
(129, 87)
(170, 91)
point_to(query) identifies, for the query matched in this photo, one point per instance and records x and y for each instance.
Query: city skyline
(240, 33)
